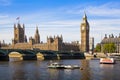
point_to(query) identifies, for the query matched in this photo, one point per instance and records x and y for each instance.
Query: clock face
(83, 27)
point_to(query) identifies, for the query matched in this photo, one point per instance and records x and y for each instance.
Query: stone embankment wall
(95, 55)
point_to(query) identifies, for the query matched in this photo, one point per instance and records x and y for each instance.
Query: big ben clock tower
(84, 34)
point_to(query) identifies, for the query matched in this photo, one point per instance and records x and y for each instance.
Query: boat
(107, 61)
(62, 66)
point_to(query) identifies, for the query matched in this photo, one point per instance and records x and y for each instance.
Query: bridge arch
(40, 56)
(15, 56)
(46, 55)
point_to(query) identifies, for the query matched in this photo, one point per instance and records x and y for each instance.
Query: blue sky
(56, 17)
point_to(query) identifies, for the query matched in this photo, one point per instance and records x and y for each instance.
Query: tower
(91, 44)
(19, 33)
(37, 36)
(58, 40)
(84, 34)
(25, 38)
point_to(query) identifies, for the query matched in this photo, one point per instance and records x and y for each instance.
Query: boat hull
(107, 61)
(64, 67)
(55, 67)
(59, 66)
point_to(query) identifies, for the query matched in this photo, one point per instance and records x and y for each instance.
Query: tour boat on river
(107, 61)
(62, 66)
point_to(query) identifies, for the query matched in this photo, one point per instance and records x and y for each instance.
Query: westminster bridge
(18, 55)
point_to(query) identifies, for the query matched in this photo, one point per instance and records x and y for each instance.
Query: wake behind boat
(62, 66)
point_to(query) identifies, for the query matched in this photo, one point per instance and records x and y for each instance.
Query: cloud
(100, 27)
(3, 16)
(6, 20)
(104, 10)
(106, 26)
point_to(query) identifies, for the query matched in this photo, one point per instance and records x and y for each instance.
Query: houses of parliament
(54, 43)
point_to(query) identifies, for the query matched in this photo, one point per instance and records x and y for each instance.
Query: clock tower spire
(84, 34)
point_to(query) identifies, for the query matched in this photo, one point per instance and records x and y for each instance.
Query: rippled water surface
(37, 70)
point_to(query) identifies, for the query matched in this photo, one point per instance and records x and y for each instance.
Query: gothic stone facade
(53, 43)
(112, 39)
(19, 34)
(84, 34)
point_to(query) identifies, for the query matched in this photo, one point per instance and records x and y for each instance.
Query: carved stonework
(84, 34)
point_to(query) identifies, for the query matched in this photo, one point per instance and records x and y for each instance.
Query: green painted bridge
(38, 55)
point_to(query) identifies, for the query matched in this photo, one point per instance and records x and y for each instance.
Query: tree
(98, 48)
(109, 48)
(112, 48)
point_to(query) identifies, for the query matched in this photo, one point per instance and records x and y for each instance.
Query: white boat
(107, 61)
(61, 66)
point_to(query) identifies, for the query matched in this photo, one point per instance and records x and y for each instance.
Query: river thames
(37, 70)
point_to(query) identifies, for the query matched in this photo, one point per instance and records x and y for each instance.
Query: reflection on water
(108, 66)
(107, 71)
(23, 71)
(86, 70)
(37, 70)
(68, 71)
(53, 74)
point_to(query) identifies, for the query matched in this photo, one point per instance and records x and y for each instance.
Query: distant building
(3, 44)
(84, 34)
(111, 39)
(91, 45)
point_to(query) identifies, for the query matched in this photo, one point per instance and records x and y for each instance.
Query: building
(111, 39)
(19, 34)
(91, 45)
(84, 34)
(53, 43)
(37, 36)
(3, 44)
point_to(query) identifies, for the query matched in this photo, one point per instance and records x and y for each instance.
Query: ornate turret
(37, 36)
(109, 36)
(19, 34)
(84, 18)
(61, 37)
(105, 36)
(25, 38)
(14, 26)
(31, 41)
(112, 36)
(23, 26)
